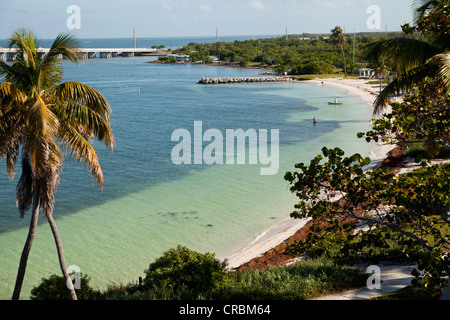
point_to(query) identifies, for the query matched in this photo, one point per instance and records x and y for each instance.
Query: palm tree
(421, 7)
(338, 39)
(381, 72)
(40, 117)
(415, 59)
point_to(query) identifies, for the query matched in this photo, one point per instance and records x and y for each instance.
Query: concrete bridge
(91, 53)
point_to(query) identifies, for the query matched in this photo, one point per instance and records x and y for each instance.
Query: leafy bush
(55, 288)
(313, 67)
(401, 209)
(168, 60)
(184, 268)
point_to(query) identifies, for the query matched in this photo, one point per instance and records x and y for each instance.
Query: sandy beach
(280, 233)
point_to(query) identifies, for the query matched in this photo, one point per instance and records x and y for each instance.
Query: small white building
(180, 58)
(214, 59)
(366, 73)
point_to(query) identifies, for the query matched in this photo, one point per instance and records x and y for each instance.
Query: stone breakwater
(223, 80)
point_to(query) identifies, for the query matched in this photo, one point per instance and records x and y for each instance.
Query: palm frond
(407, 52)
(42, 120)
(50, 71)
(421, 7)
(11, 123)
(11, 159)
(403, 83)
(10, 133)
(78, 115)
(64, 44)
(81, 150)
(26, 43)
(5, 69)
(42, 128)
(442, 61)
(85, 95)
(24, 190)
(10, 91)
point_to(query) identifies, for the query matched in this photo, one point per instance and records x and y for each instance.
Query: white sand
(283, 231)
(367, 92)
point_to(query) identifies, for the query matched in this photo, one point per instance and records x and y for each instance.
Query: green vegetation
(182, 267)
(418, 151)
(338, 39)
(416, 58)
(407, 293)
(299, 55)
(377, 217)
(378, 82)
(55, 288)
(304, 280)
(182, 274)
(39, 114)
(168, 60)
(380, 217)
(422, 118)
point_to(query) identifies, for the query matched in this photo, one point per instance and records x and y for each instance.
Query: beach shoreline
(274, 239)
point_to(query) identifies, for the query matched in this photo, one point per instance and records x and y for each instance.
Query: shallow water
(148, 204)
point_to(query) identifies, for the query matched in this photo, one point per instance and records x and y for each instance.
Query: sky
(186, 18)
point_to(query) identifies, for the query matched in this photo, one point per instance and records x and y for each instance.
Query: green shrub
(184, 268)
(55, 288)
(168, 60)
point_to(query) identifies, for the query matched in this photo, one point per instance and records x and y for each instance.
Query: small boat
(335, 103)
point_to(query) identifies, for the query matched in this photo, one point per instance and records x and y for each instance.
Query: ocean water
(148, 204)
(141, 42)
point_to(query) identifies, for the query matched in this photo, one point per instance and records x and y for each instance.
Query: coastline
(268, 248)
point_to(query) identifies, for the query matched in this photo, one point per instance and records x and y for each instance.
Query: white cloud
(166, 7)
(330, 5)
(257, 5)
(205, 7)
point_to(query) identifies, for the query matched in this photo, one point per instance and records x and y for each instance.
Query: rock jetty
(224, 80)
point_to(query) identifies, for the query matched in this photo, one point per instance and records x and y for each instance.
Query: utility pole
(134, 37)
(287, 34)
(217, 35)
(354, 43)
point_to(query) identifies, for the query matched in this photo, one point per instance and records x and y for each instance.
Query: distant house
(366, 73)
(180, 58)
(214, 59)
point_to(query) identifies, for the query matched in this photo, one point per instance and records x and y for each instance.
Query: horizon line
(234, 35)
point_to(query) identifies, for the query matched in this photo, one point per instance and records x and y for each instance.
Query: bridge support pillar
(105, 55)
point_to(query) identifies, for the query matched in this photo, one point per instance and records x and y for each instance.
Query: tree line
(296, 55)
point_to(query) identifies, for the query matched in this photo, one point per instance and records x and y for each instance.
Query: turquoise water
(148, 204)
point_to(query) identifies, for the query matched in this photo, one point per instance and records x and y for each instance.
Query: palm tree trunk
(27, 248)
(62, 260)
(345, 62)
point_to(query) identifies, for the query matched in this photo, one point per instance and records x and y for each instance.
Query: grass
(418, 150)
(304, 280)
(406, 293)
(378, 82)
